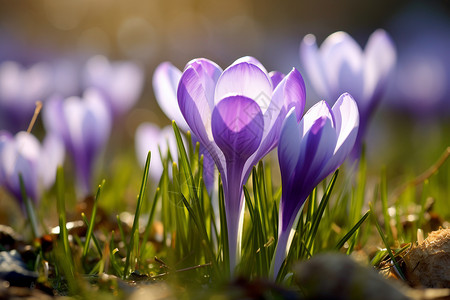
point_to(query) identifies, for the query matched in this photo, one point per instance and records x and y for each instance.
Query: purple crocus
(340, 65)
(237, 114)
(308, 152)
(120, 82)
(20, 89)
(165, 84)
(149, 137)
(23, 154)
(84, 124)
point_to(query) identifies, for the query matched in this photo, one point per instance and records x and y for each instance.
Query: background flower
(36, 163)
(340, 65)
(20, 89)
(84, 124)
(149, 137)
(120, 83)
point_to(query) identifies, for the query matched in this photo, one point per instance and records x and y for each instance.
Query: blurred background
(66, 33)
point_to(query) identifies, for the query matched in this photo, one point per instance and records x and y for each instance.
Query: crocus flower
(237, 114)
(120, 83)
(36, 163)
(149, 137)
(20, 89)
(340, 65)
(84, 124)
(308, 152)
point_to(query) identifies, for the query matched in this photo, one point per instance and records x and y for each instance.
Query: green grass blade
(134, 229)
(386, 244)
(349, 234)
(317, 217)
(184, 162)
(150, 220)
(96, 242)
(29, 208)
(91, 225)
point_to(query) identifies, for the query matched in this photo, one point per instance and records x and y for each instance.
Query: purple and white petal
(313, 64)
(345, 112)
(52, 156)
(252, 60)
(276, 78)
(245, 79)
(165, 84)
(208, 73)
(380, 58)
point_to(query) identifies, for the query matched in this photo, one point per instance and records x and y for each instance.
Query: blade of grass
(349, 234)
(135, 226)
(384, 205)
(317, 217)
(29, 208)
(223, 231)
(150, 220)
(91, 225)
(386, 244)
(96, 242)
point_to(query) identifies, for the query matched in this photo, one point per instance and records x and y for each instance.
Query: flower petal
(343, 62)
(252, 60)
(276, 78)
(380, 57)
(21, 157)
(194, 104)
(5, 138)
(288, 94)
(345, 112)
(52, 156)
(237, 127)
(318, 110)
(208, 75)
(245, 79)
(165, 84)
(289, 146)
(313, 65)
(195, 87)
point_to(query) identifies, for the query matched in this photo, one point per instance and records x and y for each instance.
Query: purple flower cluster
(81, 124)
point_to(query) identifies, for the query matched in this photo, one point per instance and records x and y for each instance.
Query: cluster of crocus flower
(237, 114)
(23, 155)
(340, 65)
(120, 82)
(84, 125)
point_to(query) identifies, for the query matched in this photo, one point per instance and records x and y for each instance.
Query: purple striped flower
(84, 124)
(308, 152)
(237, 114)
(23, 154)
(120, 82)
(340, 65)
